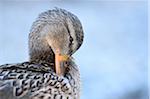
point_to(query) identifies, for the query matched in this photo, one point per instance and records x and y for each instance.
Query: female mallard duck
(50, 73)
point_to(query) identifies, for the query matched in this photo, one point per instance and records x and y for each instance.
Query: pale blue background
(113, 57)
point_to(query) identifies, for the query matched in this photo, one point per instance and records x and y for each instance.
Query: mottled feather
(38, 81)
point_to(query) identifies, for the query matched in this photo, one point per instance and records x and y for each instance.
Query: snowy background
(113, 57)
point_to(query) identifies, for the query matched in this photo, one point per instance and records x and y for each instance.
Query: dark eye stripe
(70, 44)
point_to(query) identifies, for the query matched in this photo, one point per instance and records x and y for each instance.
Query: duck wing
(33, 81)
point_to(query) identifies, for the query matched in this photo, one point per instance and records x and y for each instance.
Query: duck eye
(71, 39)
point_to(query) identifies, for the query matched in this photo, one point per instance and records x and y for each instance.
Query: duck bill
(59, 63)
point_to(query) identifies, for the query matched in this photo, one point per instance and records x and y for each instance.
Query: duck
(51, 72)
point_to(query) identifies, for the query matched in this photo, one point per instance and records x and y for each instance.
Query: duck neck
(39, 49)
(42, 56)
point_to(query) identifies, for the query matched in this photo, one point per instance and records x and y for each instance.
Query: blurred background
(113, 57)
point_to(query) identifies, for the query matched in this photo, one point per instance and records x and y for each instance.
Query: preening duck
(50, 72)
